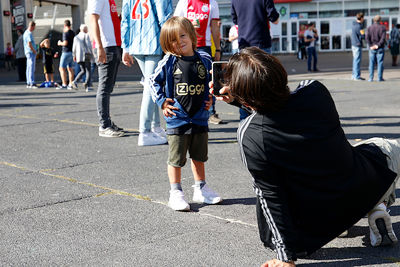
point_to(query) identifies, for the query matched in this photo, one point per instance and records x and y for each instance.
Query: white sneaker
(160, 132)
(380, 227)
(177, 201)
(150, 139)
(205, 195)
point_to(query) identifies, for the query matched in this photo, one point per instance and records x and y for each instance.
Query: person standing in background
(106, 31)
(204, 15)
(20, 55)
(252, 18)
(233, 38)
(301, 54)
(140, 30)
(357, 35)
(311, 37)
(82, 54)
(66, 60)
(376, 39)
(9, 52)
(30, 53)
(48, 66)
(394, 43)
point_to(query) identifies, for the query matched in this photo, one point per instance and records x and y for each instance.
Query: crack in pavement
(13, 210)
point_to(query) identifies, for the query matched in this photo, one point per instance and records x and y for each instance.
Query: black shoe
(116, 128)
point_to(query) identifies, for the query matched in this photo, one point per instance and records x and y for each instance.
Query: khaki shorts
(196, 144)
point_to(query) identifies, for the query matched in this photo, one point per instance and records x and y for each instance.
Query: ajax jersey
(202, 12)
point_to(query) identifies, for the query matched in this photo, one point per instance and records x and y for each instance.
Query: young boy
(48, 67)
(180, 87)
(9, 52)
(311, 183)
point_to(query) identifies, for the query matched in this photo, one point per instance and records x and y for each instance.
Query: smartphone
(218, 73)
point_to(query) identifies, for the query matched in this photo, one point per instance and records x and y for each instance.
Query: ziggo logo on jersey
(185, 89)
(193, 15)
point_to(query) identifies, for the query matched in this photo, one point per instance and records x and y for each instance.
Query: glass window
(303, 10)
(324, 27)
(351, 8)
(294, 28)
(294, 43)
(348, 41)
(336, 42)
(284, 43)
(275, 44)
(384, 7)
(330, 9)
(284, 28)
(325, 43)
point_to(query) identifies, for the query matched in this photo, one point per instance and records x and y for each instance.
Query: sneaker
(116, 128)
(177, 201)
(28, 86)
(34, 86)
(150, 139)
(61, 87)
(160, 132)
(110, 132)
(214, 119)
(74, 85)
(205, 195)
(380, 227)
(381, 80)
(69, 87)
(89, 89)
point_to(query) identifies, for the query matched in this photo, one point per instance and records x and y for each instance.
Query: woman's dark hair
(257, 79)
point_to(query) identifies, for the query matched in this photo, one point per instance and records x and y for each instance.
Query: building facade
(48, 15)
(333, 20)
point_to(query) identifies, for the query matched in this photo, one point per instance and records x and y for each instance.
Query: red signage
(290, 1)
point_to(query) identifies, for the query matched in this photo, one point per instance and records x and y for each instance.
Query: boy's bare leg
(52, 77)
(46, 75)
(198, 170)
(174, 174)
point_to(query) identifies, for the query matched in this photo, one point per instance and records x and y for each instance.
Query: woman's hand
(225, 93)
(127, 59)
(278, 263)
(167, 108)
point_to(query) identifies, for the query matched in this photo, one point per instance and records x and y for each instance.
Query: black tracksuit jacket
(311, 183)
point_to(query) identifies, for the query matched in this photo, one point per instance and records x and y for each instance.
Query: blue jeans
(66, 60)
(107, 76)
(149, 114)
(376, 56)
(312, 54)
(356, 62)
(30, 68)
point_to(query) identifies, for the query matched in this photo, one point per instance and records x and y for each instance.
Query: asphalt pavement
(71, 198)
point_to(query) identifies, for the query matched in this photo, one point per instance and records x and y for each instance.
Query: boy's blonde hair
(170, 33)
